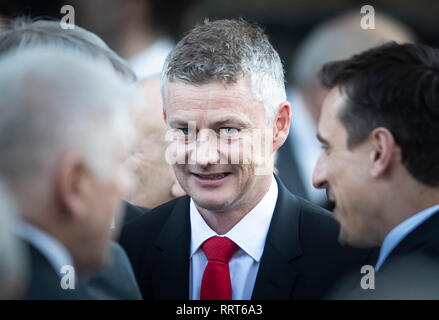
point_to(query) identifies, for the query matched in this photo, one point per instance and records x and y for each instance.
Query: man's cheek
(231, 151)
(262, 149)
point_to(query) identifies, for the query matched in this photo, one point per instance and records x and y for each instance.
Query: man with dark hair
(335, 39)
(239, 234)
(379, 129)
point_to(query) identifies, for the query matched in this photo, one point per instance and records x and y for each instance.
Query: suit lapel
(276, 275)
(417, 238)
(171, 273)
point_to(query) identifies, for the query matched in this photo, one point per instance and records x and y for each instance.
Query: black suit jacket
(44, 281)
(424, 240)
(301, 260)
(132, 212)
(411, 271)
(115, 281)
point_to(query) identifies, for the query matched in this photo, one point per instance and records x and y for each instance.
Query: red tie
(216, 278)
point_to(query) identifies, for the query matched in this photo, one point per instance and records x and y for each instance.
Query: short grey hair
(224, 51)
(23, 33)
(54, 100)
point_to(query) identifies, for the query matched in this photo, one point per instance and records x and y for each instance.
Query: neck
(411, 200)
(223, 221)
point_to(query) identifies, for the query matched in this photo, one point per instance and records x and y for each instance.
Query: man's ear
(73, 185)
(281, 125)
(382, 152)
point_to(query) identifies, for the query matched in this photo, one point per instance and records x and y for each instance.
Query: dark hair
(395, 86)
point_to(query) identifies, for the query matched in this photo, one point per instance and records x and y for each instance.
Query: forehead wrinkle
(210, 117)
(210, 101)
(215, 92)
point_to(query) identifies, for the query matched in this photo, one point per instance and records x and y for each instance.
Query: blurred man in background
(142, 31)
(63, 142)
(378, 129)
(336, 39)
(117, 280)
(154, 179)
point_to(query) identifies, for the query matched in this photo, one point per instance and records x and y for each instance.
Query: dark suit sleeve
(137, 239)
(44, 281)
(132, 212)
(327, 261)
(116, 281)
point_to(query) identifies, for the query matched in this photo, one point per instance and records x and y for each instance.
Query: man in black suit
(63, 141)
(379, 129)
(239, 234)
(132, 212)
(116, 280)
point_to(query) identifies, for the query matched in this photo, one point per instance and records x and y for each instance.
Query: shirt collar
(397, 234)
(53, 250)
(249, 233)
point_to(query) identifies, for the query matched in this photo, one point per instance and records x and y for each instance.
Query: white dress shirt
(53, 250)
(305, 145)
(397, 234)
(249, 234)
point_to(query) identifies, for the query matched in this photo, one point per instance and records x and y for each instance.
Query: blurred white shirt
(149, 63)
(305, 145)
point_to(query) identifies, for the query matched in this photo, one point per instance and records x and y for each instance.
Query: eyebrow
(178, 123)
(230, 121)
(219, 123)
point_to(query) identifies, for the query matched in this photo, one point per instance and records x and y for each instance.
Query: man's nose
(206, 151)
(319, 175)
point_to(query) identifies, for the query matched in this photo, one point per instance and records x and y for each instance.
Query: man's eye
(228, 131)
(185, 131)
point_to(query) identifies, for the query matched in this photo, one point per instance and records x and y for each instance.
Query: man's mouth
(210, 180)
(212, 176)
(331, 198)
